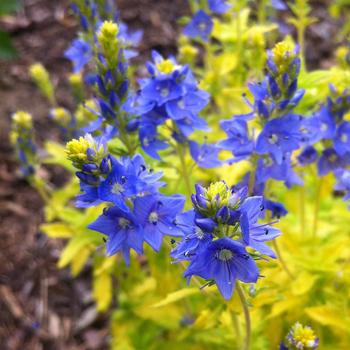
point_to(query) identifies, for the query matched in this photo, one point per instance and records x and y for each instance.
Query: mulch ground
(41, 307)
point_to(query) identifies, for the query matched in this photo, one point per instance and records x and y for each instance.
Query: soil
(42, 307)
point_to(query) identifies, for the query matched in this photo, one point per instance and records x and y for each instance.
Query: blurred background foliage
(7, 7)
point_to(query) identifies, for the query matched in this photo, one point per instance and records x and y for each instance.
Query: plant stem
(180, 151)
(246, 316)
(281, 260)
(302, 210)
(317, 207)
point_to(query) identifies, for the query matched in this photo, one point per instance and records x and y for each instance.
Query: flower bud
(42, 79)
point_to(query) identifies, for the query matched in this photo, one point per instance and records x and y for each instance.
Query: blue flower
(224, 261)
(307, 156)
(170, 93)
(150, 142)
(200, 26)
(330, 160)
(343, 183)
(161, 89)
(89, 196)
(269, 169)
(327, 126)
(238, 141)
(156, 214)
(188, 105)
(123, 231)
(279, 5)
(279, 136)
(255, 234)
(277, 209)
(342, 139)
(219, 6)
(206, 156)
(128, 178)
(79, 53)
(188, 125)
(195, 238)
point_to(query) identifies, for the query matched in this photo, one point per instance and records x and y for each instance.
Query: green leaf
(7, 50)
(8, 6)
(176, 296)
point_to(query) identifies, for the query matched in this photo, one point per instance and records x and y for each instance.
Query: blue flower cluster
(22, 140)
(137, 213)
(281, 130)
(171, 93)
(201, 24)
(92, 15)
(329, 133)
(217, 231)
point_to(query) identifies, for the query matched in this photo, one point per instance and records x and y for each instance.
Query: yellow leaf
(102, 291)
(76, 244)
(176, 296)
(284, 305)
(303, 283)
(57, 155)
(80, 259)
(328, 316)
(57, 230)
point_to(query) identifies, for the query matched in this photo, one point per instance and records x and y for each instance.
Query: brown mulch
(42, 307)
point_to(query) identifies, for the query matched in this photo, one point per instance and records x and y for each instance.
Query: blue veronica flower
(79, 53)
(307, 156)
(150, 142)
(338, 104)
(201, 26)
(326, 124)
(162, 89)
(89, 196)
(130, 39)
(170, 93)
(268, 168)
(219, 6)
(343, 183)
(277, 209)
(195, 238)
(190, 104)
(330, 161)
(128, 178)
(190, 124)
(216, 232)
(238, 141)
(156, 215)
(256, 233)
(206, 155)
(224, 261)
(279, 5)
(342, 139)
(123, 231)
(279, 136)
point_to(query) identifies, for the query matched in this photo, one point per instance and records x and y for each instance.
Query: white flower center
(117, 188)
(153, 217)
(124, 223)
(224, 255)
(273, 138)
